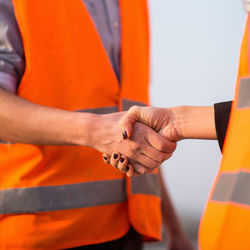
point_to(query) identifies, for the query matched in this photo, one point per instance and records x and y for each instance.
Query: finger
(127, 121)
(114, 160)
(155, 155)
(160, 143)
(122, 165)
(106, 158)
(131, 172)
(147, 161)
(140, 169)
(169, 156)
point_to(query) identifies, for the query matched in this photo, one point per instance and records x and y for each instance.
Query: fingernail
(115, 156)
(124, 135)
(105, 158)
(122, 160)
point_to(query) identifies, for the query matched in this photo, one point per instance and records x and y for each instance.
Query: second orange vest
(226, 220)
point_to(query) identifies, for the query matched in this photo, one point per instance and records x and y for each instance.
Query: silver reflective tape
(146, 184)
(244, 93)
(53, 198)
(105, 110)
(127, 104)
(4, 142)
(233, 187)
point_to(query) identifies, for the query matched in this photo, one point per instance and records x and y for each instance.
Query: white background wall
(195, 49)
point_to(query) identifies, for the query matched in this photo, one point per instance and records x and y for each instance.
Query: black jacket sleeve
(222, 113)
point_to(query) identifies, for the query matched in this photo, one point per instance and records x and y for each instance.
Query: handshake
(148, 136)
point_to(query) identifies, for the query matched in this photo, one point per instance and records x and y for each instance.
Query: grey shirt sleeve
(12, 59)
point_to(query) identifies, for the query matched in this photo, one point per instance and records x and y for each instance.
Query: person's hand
(120, 162)
(145, 148)
(162, 120)
(176, 123)
(159, 119)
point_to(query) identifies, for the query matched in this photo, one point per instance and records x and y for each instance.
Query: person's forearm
(24, 122)
(194, 122)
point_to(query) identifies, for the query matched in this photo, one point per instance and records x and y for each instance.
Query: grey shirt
(105, 15)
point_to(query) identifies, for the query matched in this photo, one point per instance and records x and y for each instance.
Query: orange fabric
(225, 224)
(133, 52)
(137, 219)
(63, 229)
(140, 205)
(69, 69)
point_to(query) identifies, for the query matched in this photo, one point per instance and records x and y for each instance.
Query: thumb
(169, 133)
(128, 120)
(162, 132)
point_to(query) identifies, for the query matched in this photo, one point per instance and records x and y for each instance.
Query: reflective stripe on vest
(127, 104)
(80, 195)
(244, 93)
(4, 142)
(52, 198)
(101, 111)
(146, 184)
(233, 187)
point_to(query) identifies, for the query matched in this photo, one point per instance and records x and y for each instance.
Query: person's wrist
(173, 125)
(86, 128)
(180, 120)
(194, 122)
(102, 130)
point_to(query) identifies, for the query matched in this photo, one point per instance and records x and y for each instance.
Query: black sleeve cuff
(222, 113)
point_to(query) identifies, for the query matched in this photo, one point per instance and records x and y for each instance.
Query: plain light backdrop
(195, 53)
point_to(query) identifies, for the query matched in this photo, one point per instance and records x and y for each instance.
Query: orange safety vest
(226, 221)
(56, 197)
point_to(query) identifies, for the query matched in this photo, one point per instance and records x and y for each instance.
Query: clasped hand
(153, 132)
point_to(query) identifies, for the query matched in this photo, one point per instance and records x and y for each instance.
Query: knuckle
(155, 165)
(121, 122)
(134, 109)
(113, 163)
(151, 164)
(149, 171)
(137, 168)
(120, 168)
(169, 155)
(171, 147)
(142, 170)
(135, 148)
(163, 157)
(130, 154)
(174, 146)
(161, 146)
(138, 149)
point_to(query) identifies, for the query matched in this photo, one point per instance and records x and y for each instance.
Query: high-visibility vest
(226, 222)
(56, 197)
